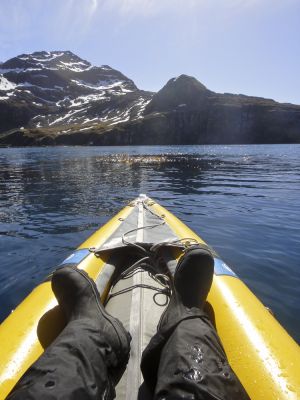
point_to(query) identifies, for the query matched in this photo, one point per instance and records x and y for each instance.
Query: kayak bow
(262, 354)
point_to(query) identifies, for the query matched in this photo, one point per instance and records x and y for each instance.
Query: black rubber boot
(185, 359)
(192, 281)
(89, 356)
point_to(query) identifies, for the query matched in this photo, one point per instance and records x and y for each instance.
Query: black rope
(164, 291)
(142, 266)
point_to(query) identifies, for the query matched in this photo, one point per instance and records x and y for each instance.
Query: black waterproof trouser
(187, 362)
(75, 366)
(191, 364)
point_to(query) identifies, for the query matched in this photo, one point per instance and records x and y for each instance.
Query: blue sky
(236, 46)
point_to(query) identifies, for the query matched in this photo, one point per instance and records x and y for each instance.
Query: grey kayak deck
(139, 308)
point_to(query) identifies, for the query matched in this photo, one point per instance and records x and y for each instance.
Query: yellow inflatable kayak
(262, 354)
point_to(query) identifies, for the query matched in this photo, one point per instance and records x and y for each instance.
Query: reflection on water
(244, 200)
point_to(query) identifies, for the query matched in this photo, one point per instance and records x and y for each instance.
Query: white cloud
(75, 17)
(92, 6)
(149, 8)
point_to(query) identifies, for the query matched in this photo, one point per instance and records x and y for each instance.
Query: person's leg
(89, 356)
(193, 365)
(185, 359)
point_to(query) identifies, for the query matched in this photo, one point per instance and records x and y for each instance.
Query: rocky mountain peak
(58, 88)
(54, 60)
(184, 81)
(106, 67)
(57, 69)
(181, 93)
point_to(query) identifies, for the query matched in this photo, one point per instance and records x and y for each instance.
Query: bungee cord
(148, 263)
(137, 267)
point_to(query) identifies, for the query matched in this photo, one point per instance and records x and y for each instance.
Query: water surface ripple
(243, 200)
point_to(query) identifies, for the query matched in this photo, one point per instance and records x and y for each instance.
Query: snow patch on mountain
(106, 67)
(67, 116)
(121, 117)
(75, 66)
(104, 85)
(28, 84)
(44, 57)
(85, 129)
(87, 99)
(6, 85)
(141, 104)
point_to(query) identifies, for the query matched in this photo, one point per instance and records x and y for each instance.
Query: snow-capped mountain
(50, 98)
(58, 88)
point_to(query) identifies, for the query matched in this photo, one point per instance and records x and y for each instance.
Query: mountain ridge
(49, 98)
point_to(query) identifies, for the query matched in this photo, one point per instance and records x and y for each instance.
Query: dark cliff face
(57, 98)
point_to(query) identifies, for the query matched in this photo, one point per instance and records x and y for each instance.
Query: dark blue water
(243, 200)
